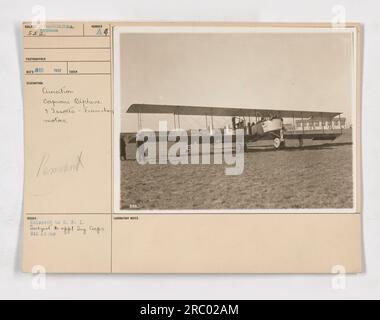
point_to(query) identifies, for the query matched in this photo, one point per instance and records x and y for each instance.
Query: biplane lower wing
(252, 138)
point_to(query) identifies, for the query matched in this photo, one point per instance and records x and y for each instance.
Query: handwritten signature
(47, 169)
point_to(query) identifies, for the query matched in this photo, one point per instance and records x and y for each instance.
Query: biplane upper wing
(228, 112)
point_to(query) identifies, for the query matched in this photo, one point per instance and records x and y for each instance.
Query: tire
(277, 143)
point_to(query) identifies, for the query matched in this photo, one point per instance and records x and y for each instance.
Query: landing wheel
(277, 143)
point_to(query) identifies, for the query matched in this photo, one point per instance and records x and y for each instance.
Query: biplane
(258, 124)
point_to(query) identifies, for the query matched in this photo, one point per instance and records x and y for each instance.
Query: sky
(296, 71)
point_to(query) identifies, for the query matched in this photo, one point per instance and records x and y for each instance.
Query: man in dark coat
(123, 149)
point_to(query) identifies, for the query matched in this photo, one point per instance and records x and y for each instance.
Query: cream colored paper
(71, 180)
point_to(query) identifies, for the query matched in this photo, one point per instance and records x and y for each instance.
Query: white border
(118, 31)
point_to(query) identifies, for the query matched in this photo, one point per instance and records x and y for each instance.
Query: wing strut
(139, 121)
(303, 125)
(340, 123)
(323, 123)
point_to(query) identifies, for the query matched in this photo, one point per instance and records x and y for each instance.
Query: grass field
(316, 176)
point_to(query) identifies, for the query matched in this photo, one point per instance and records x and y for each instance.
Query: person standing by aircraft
(123, 149)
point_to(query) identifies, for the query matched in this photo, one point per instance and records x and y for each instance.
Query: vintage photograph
(240, 120)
